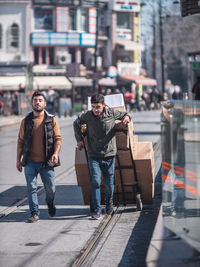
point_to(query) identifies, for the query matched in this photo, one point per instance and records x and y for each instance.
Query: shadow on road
(137, 247)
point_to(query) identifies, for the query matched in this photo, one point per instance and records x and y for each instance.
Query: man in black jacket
(38, 146)
(102, 149)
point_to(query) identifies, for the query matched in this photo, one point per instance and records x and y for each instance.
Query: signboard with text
(128, 69)
(126, 5)
(60, 39)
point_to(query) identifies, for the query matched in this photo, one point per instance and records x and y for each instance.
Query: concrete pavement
(49, 242)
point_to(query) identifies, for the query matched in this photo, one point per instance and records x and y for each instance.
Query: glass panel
(51, 55)
(36, 55)
(43, 18)
(84, 20)
(180, 125)
(123, 20)
(43, 55)
(0, 36)
(72, 14)
(14, 35)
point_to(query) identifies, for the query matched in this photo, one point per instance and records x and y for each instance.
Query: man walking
(102, 149)
(38, 147)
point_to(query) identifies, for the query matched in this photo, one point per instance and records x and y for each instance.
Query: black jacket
(48, 138)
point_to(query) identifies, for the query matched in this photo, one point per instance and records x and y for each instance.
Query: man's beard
(38, 109)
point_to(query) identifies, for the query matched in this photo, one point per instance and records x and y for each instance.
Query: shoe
(109, 209)
(51, 210)
(96, 216)
(34, 217)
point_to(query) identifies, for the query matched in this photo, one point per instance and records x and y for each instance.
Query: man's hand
(126, 120)
(19, 166)
(54, 158)
(80, 145)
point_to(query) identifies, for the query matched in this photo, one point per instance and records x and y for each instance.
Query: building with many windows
(15, 51)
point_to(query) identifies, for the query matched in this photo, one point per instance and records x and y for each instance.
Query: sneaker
(96, 215)
(109, 209)
(34, 217)
(51, 210)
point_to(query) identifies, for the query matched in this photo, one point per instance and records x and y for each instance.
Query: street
(58, 241)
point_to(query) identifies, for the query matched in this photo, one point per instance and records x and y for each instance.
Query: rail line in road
(14, 207)
(89, 252)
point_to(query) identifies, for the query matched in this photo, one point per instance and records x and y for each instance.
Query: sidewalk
(9, 120)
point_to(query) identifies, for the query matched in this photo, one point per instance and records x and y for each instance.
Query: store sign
(124, 34)
(128, 69)
(126, 5)
(57, 2)
(196, 65)
(59, 39)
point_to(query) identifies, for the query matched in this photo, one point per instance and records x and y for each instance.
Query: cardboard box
(86, 194)
(81, 168)
(128, 177)
(143, 156)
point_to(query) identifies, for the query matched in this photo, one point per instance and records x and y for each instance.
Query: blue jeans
(31, 170)
(107, 166)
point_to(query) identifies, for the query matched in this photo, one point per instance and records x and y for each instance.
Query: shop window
(43, 18)
(1, 36)
(123, 20)
(14, 35)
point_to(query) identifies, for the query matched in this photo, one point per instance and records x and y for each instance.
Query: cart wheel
(138, 202)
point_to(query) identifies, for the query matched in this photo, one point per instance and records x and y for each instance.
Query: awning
(130, 45)
(140, 80)
(56, 82)
(107, 82)
(11, 82)
(81, 81)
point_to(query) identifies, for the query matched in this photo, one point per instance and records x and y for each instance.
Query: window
(72, 15)
(72, 51)
(123, 20)
(36, 55)
(84, 20)
(1, 36)
(14, 35)
(43, 18)
(101, 22)
(44, 55)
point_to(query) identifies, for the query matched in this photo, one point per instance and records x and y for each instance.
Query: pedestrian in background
(196, 89)
(102, 149)
(38, 147)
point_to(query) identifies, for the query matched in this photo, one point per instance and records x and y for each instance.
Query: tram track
(19, 203)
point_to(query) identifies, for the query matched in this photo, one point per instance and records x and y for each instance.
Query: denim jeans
(31, 170)
(107, 167)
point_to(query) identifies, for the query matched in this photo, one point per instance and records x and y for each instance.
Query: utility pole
(96, 47)
(154, 46)
(161, 48)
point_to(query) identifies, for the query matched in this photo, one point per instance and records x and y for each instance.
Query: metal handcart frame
(136, 189)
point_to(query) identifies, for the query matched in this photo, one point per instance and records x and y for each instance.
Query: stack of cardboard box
(134, 167)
